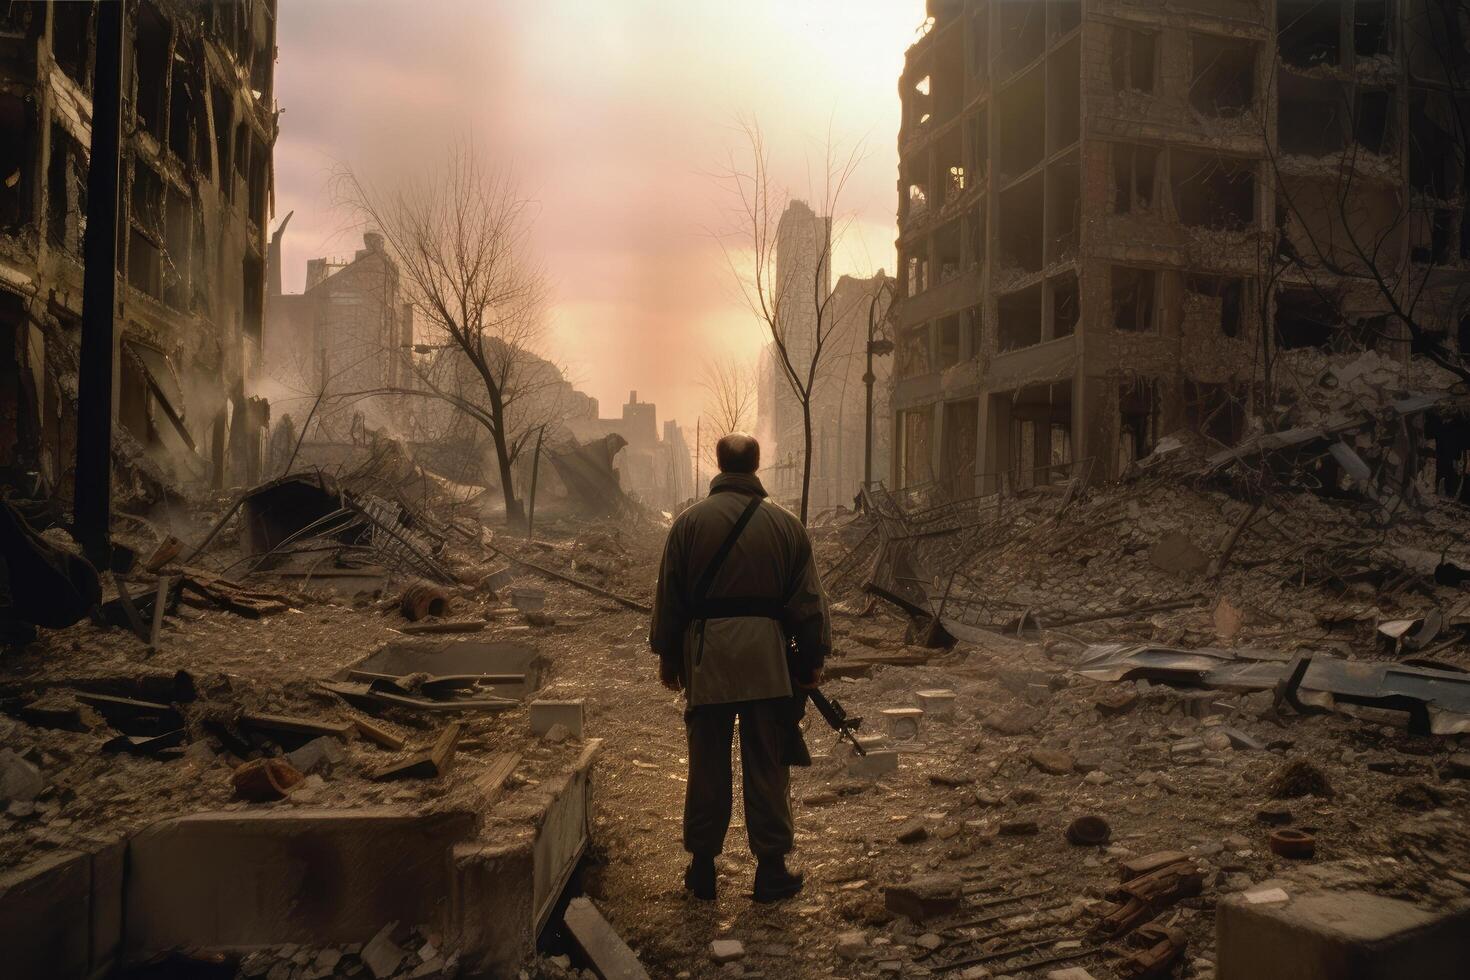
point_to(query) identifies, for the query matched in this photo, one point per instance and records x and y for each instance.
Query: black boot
(773, 882)
(699, 878)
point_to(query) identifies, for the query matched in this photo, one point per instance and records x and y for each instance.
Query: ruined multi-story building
(195, 187)
(348, 334)
(805, 293)
(1118, 218)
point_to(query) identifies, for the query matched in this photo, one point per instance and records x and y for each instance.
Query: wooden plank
(429, 764)
(379, 733)
(295, 725)
(611, 958)
(492, 783)
(160, 605)
(135, 621)
(458, 626)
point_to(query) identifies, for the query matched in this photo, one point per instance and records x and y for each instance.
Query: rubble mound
(1298, 778)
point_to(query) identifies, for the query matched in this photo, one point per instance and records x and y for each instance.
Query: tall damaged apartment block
(194, 191)
(1122, 219)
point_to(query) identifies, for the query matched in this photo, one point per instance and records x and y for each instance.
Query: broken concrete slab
(726, 950)
(319, 755)
(600, 943)
(1175, 553)
(937, 704)
(545, 714)
(878, 762)
(924, 897)
(381, 955)
(19, 779)
(1340, 935)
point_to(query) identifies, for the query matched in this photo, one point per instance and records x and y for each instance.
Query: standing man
(739, 618)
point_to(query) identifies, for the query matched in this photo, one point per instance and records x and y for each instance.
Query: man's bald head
(738, 452)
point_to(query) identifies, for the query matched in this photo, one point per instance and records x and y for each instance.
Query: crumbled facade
(1129, 219)
(194, 192)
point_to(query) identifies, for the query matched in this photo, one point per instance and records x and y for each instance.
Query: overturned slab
(1350, 935)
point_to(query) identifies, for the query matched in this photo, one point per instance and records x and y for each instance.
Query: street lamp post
(879, 347)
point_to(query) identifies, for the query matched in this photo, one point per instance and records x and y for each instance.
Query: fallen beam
(611, 958)
(429, 764)
(585, 586)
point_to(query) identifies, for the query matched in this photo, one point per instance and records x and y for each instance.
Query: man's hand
(814, 681)
(668, 676)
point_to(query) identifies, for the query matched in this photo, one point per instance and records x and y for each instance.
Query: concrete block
(493, 907)
(1346, 935)
(877, 762)
(902, 723)
(45, 918)
(251, 878)
(937, 704)
(544, 714)
(726, 950)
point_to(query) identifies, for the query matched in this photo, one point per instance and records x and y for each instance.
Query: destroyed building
(350, 330)
(1130, 219)
(194, 192)
(658, 470)
(848, 313)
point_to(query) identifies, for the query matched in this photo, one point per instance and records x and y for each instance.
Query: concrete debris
(20, 781)
(381, 955)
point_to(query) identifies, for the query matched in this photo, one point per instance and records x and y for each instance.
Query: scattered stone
(1118, 702)
(19, 779)
(1418, 796)
(1089, 830)
(1457, 766)
(309, 790)
(726, 950)
(924, 897)
(1017, 828)
(1017, 721)
(1273, 816)
(381, 955)
(556, 734)
(1086, 763)
(1187, 747)
(1052, 761)
(319, 755)
(878, 762)
(937, 704)
(327, 959)
(911, 831)
(929, 941)
(1241, 740)
(1217, 741)
(1175, 553)
(851, 945)
(199, 753)
(1070, 973)
(951, 779)
(1298, 778)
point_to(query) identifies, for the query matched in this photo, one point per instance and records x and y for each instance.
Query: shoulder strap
(728, 545)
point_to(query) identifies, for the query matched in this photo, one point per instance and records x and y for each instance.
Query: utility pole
(535, 468)
(92, 504)
(879, 347)
(698, 421)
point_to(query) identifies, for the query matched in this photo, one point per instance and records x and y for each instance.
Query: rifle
(841, 722)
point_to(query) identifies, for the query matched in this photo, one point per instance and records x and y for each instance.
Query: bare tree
(793, 306)
(730, 396)
(460, 238)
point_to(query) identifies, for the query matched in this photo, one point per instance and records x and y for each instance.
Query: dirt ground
(986, 796)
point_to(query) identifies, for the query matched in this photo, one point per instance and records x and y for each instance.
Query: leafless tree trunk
(799, 348)
(459, 236)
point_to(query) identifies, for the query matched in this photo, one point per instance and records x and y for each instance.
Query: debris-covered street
(868, 489)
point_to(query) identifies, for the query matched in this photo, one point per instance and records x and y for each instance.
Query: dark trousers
(767, 780)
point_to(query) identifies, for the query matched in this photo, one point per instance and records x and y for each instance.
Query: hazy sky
(614, 114)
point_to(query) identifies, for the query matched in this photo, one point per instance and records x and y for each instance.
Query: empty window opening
(1021, 115)
(1373, 124)
(1138, 420)
(975, 235)
(1020, 231)
(1310, 119)
(948, 353)
(1309, 32)
(1215, 411)
(66, 192)
(917, 200)
(186, 129)
(1221, 297)
(1304, 319)
(949, 164)
(17, 143)
(259, 181)
(1019, 314)
(71, 40)
(949, 250)
(1450, 437)
(1133, 299)
(1134, 170)
(1370, 28)
(1133, 60)
(948, 96)
(1213, 191)
(1022, 36)
(1224, 76)
(253, 283)
(178, 255)
(1065, 306)
(1064, 85)
(916, 274)
(146, 231)
(224, 127)
(974, 327)
(1063, 210)
(917, 104)
(913, 351)
(150, 67)
(1436, 156)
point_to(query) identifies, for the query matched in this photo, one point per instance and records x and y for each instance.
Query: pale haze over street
(617, 117)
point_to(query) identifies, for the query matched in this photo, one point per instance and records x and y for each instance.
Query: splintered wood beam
(492, 783)
(429, 764)
(295, 726)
